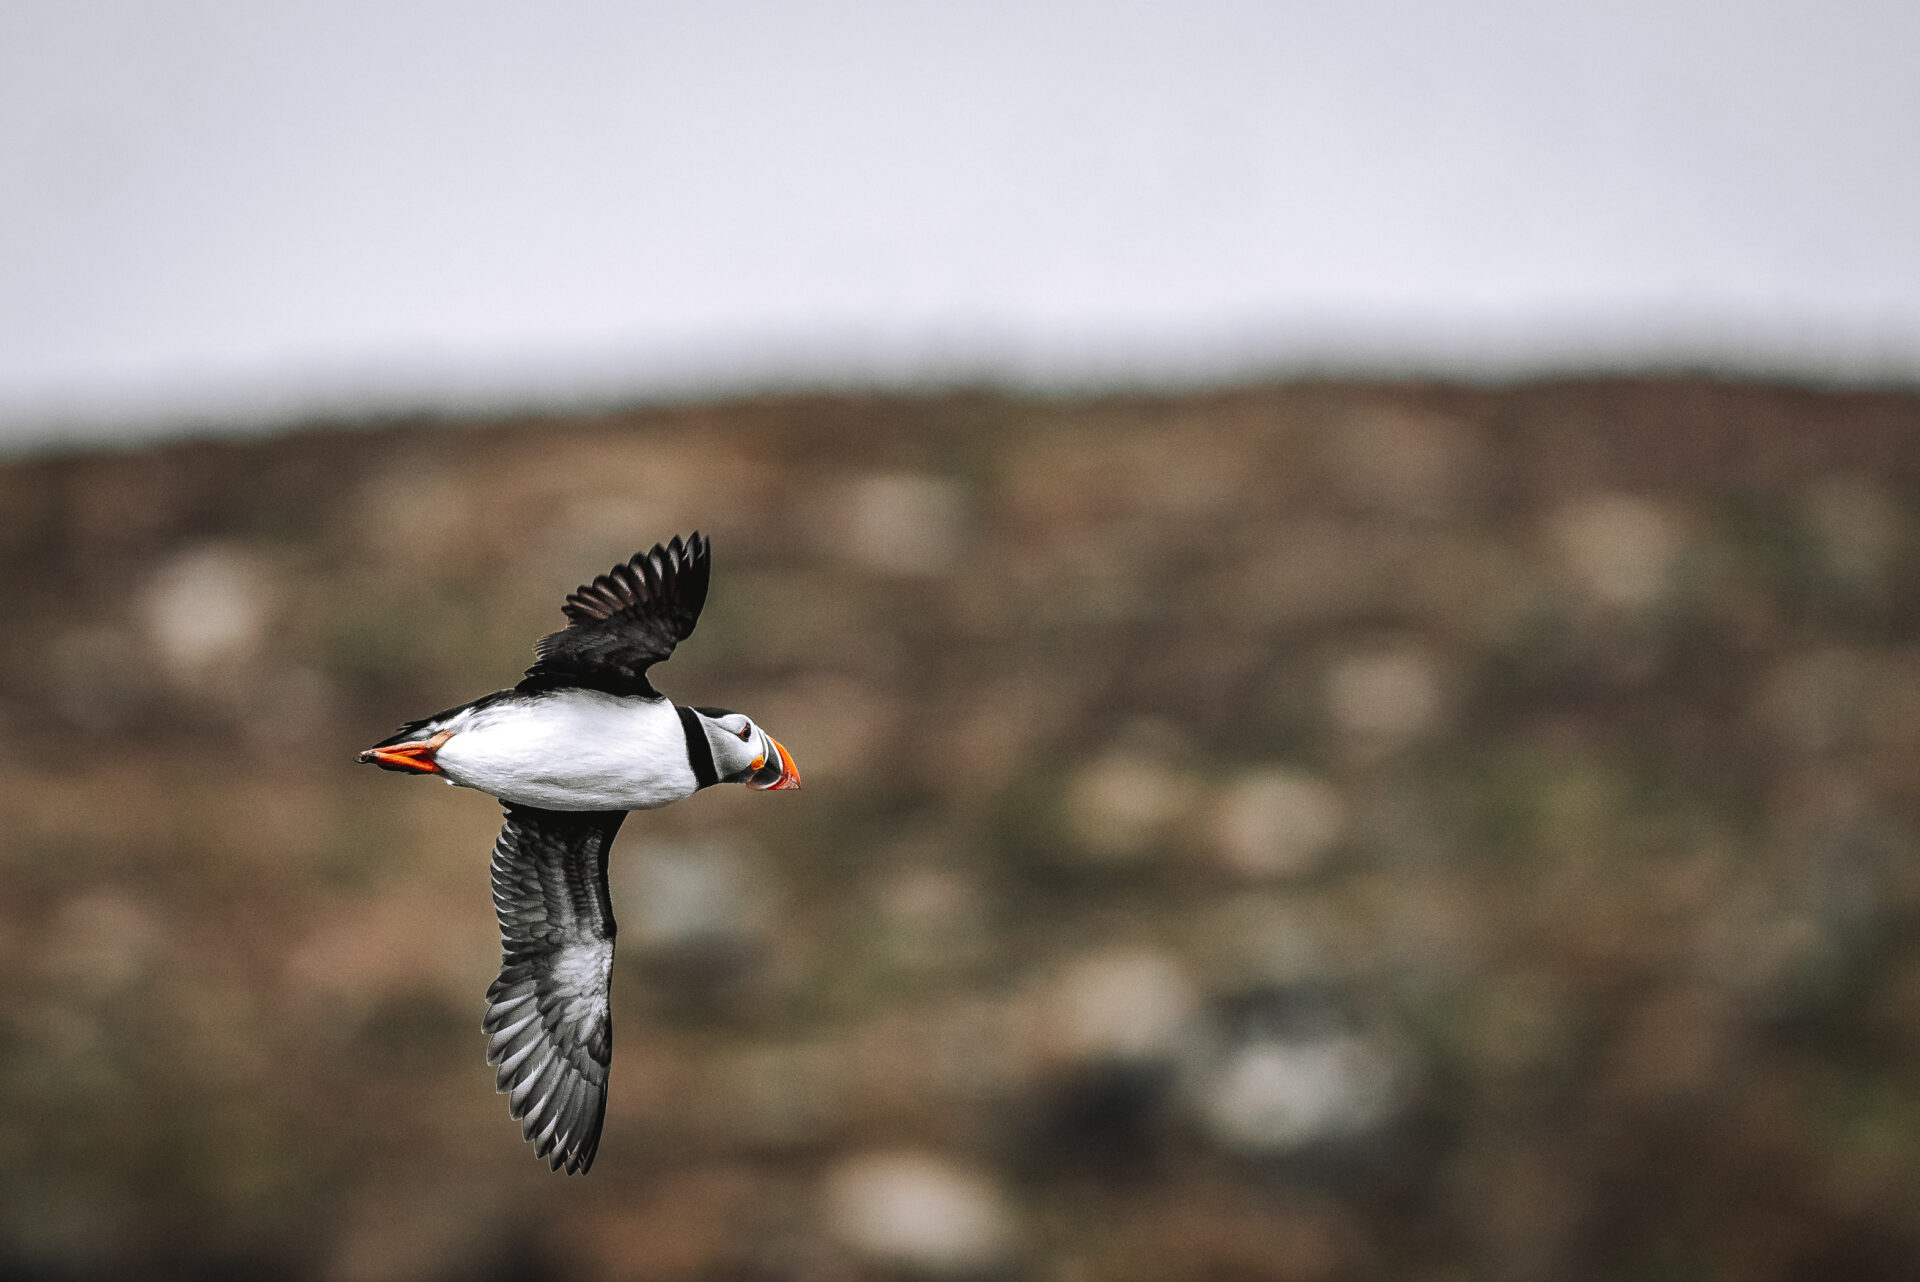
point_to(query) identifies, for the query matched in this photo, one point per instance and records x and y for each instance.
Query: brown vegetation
(1307, 833)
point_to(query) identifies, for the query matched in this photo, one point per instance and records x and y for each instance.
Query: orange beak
(789, 776)
(415, 758)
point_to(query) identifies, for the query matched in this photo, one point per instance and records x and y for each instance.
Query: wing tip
(564, 1125)
(675, 574)
(564, 1122)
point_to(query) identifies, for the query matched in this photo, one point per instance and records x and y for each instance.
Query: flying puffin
(582, 739)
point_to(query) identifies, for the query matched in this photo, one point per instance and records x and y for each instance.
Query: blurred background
(1343, 582)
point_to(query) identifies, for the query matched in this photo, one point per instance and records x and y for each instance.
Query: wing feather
(626, 620)
(549, 1021)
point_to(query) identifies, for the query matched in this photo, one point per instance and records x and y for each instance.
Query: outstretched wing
(549, 1022)
(627, 620)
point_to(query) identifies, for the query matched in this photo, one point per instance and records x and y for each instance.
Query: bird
(583, 739)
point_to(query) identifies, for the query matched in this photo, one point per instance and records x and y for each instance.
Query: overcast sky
(233, 209)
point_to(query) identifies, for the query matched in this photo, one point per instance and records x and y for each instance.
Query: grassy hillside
(1307, 832)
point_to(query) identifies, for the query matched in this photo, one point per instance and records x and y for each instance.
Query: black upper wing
(549, 1020)
(627, 620)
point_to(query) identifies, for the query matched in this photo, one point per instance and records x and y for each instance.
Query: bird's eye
(745, 733)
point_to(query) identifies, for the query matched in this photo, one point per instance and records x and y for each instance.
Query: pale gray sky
(225, 208)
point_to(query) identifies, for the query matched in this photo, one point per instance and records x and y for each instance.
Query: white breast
(572, 750)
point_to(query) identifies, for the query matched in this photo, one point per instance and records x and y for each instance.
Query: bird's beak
(771, 777)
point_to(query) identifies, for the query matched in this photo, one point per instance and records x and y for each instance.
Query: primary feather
(549, 1019)
(626, 620)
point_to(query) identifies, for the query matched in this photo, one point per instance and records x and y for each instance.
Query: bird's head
(744, 753)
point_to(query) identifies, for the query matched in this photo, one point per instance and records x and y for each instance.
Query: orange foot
(414, 758)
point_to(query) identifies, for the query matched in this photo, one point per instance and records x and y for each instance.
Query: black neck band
(699, 751)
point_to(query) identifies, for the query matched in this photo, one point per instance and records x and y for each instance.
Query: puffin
(580, 741)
